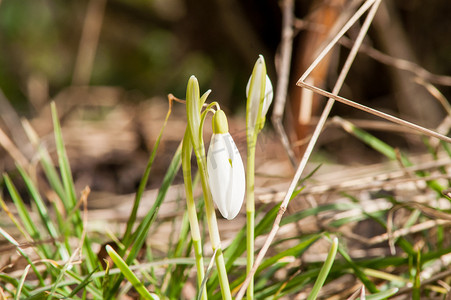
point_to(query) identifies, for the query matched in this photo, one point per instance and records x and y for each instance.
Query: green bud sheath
(219, 121)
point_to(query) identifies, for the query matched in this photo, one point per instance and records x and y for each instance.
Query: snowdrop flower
(225, 169)
(254, 89)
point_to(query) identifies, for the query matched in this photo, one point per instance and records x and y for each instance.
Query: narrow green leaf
(30, 262)
(142, 185)
(43, 213)
(416, 292)
(358, 272)
(386, 150)
(381, 295)
(70, 199)
(82, 285)
(21, 284)
(137, 284)
(174, 275)
(316, 210)
(295, 251)
(45, 160)
(22, 209)
(143, 228)
(324, 270)
(76, 280)
(139, 236)
(15, 221)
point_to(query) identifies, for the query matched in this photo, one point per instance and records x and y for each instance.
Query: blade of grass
(294, 285)
(295, 251)
(67, 265)
(181, 273)
(46, 162)
(76, 280)
(43, 213)
(324, 270)
(384, 149)
(382, 295)
(21, 284)
(238, 246)
(416, 293)
(121, 264)
(14, 220)
(27, 258)
(106, 279)
(54, 181)
(204, 281)
(369, 285)
(139, 236)
(25, 217)
(70, 198)
(372, 141)
(82, 285)
(316, 210)
(235, 249)
(142, 185)
(276, 289)
(175, 275)
(21, 209)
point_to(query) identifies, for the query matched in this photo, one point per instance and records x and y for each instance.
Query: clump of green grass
(63, 264)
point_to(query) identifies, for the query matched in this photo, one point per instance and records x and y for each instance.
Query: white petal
(269, 95)
(255, 101)
(225, 175)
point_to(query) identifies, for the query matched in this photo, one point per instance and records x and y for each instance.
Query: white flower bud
(255, 91)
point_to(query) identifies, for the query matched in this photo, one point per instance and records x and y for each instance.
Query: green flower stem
(192, 214)
(213, 225)
(250, 211)
(194, 105)
(252, 131)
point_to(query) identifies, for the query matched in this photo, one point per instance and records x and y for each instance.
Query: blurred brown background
(109, 65)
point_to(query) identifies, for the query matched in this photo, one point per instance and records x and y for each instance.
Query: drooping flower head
(225, 169)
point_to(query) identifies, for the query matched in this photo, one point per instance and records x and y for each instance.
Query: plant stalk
(213, 225)
(250, 211)
(192, 213)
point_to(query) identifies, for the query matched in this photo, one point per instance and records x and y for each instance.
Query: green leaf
(139, 236)
(324, 270)
(82, 285)
(131, 277)
(358, 272)
(45, 160)
(43, 213)
(22, 210)
(70, 199)
(381, 295)
(142, 185)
